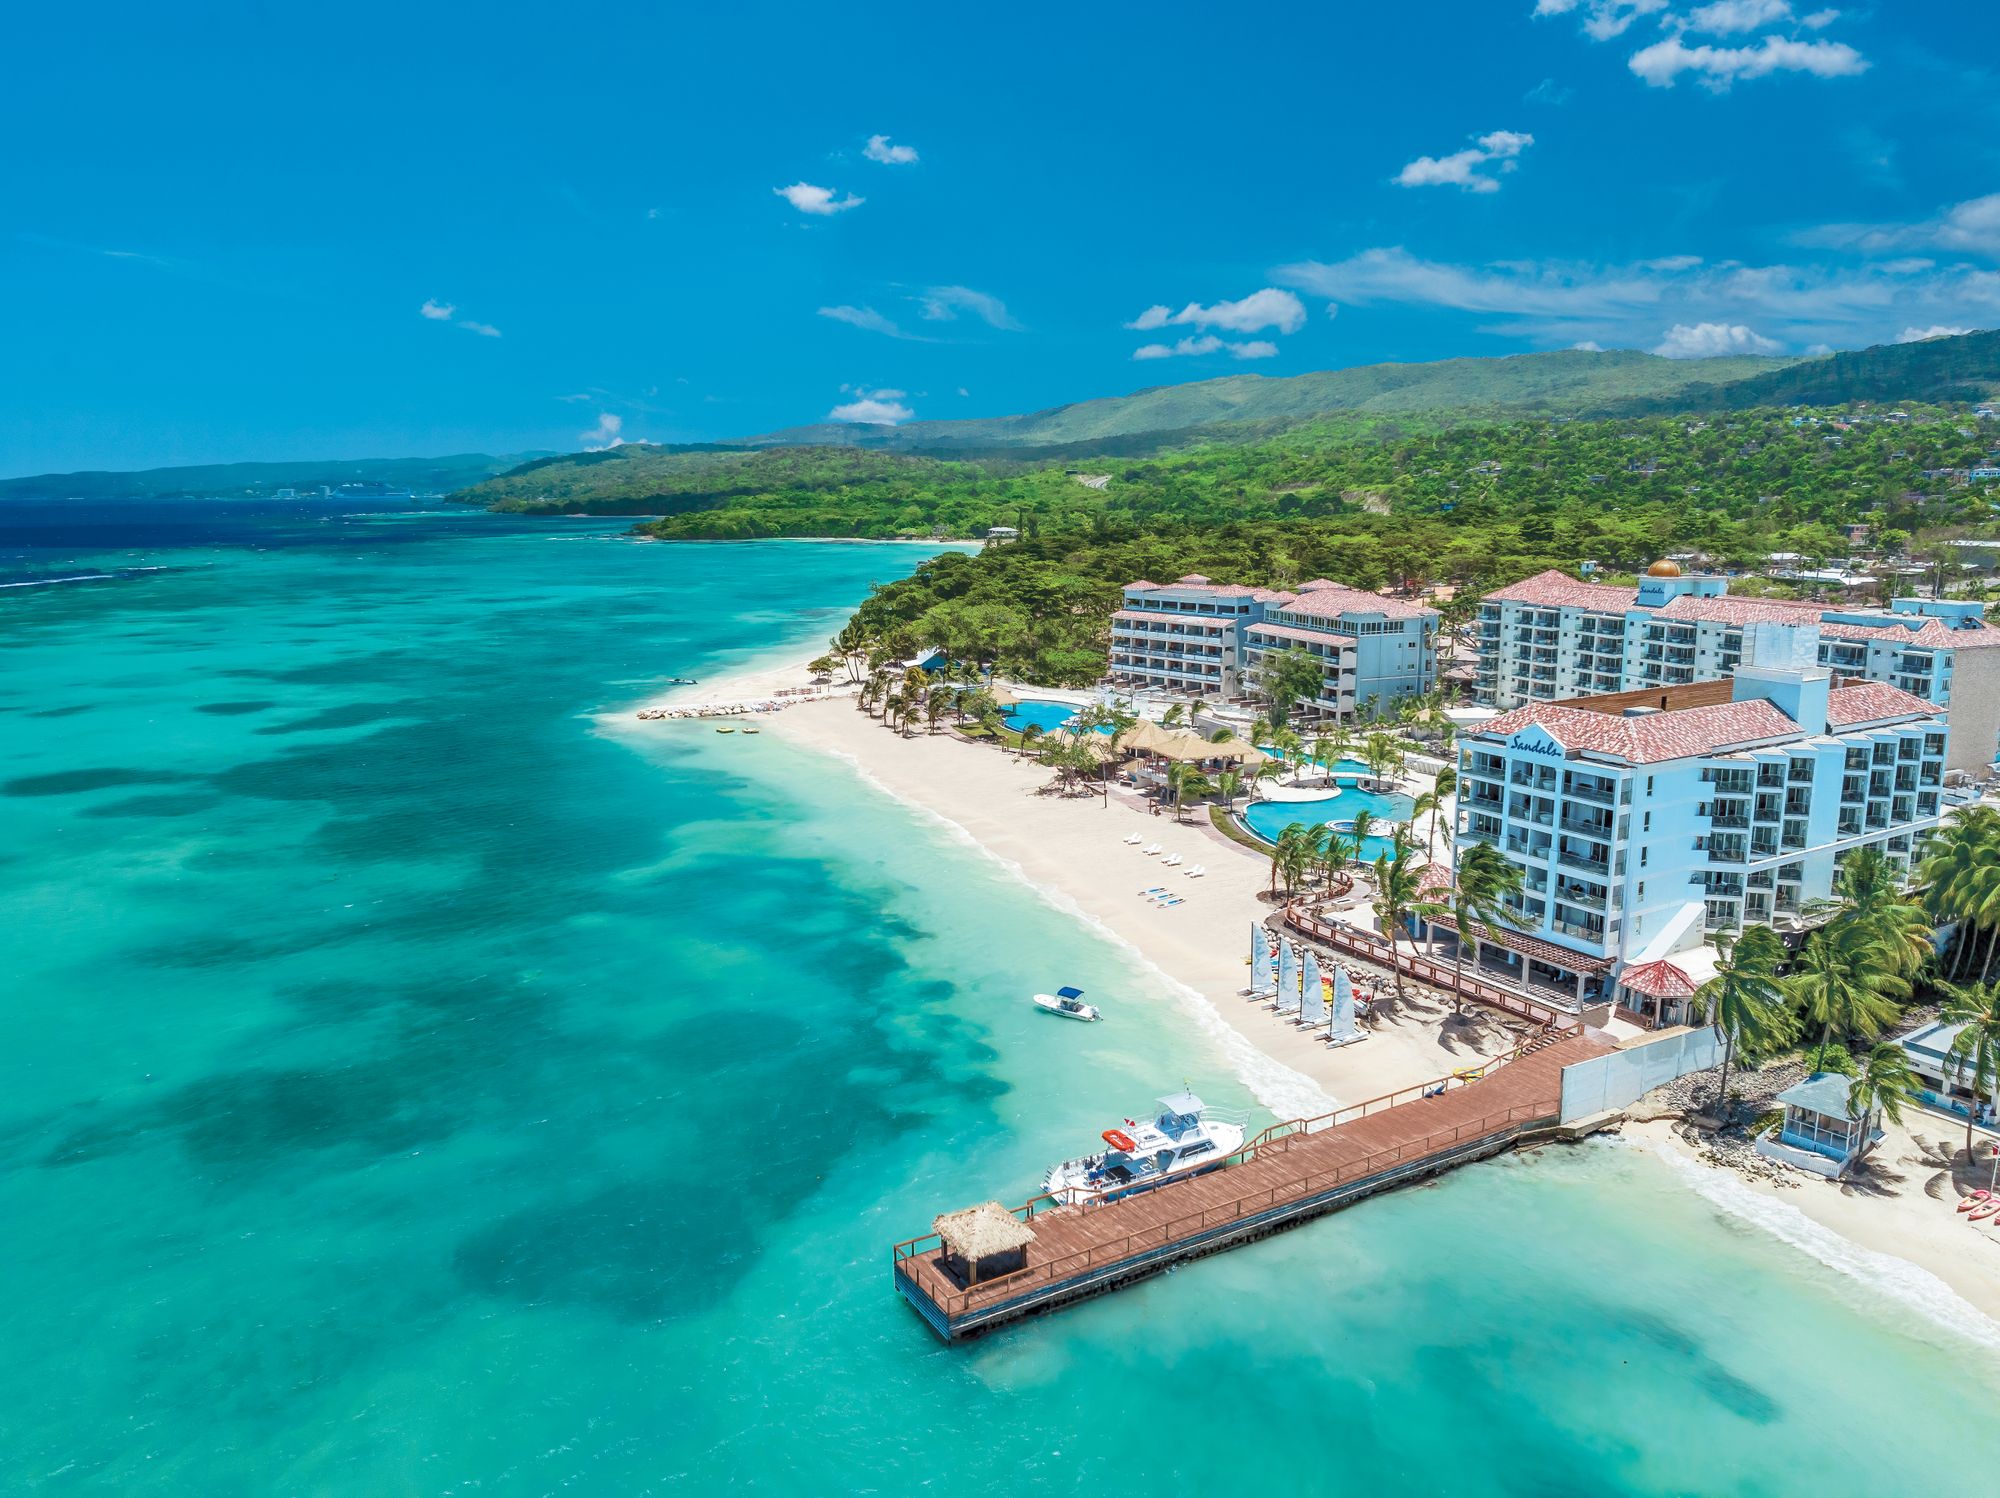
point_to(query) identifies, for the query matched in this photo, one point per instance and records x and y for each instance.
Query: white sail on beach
(1260, 958)
(1312, 1003)
(1343, 1007)
(1288, 978)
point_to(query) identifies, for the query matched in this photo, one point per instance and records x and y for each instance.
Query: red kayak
(1974, 1200)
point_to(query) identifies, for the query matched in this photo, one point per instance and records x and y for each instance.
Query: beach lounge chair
(1137, 837)
(1171, 900)
(1152, 891)
(1197, 871)
(1172, 860)
(1151, 849)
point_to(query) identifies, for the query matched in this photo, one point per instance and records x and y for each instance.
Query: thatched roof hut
(983, 1242)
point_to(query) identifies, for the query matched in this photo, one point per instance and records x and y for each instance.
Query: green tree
(1482, 884)
(1745, 1000)
(1288, 677)
(1836, 985)
(1883, 1085)
(1399, 893)
(1976, 1047)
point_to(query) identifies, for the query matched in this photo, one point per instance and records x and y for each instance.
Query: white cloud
(880, 149)
(436, 311)
(944, 303)
(1935, 330)
(1461, 168)
(1549, 92)
(881, 409)
(1708, 340)
(1602, 19)
(1269, 308)
(1207, 343)
(807, 198)
(604, 434)
(1820, 18)
(1727, 17)
(1558, 303)
(1972, 226)
(1717, 68)
(1588, 346)
(868, 320)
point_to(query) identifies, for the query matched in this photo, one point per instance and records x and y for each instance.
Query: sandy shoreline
(1071, 851)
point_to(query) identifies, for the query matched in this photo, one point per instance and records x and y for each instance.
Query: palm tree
(1837, 985)
(1330, 852)
(1322, 750)
(1868, 894)
(1029, 736)
(1383, 755)
(1745, 1000)
(1883, 1084)
(1172, 716)
(1482, 884)
(937, 703)
(1432, 802)
(1228, 786)
(1289, 853)
(1358, 834)
(1399, 882)
(1977, 1046)
(1960, 870)
(1183, 780)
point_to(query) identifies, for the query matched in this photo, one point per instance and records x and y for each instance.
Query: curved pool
(1047, 716)
(1266, 819)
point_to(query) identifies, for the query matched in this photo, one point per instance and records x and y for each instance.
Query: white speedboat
(1068, 1002)
(1184, 1138)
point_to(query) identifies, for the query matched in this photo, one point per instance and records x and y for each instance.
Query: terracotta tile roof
(1303, 636)
(1553, 589)
(1873, 702)
(1329, 600)
(1740, 611)
(1687, 733)
(1213, 623)
(1930, 633)
(1659, 980)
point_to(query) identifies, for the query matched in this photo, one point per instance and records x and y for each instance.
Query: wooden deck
(1288, 1174)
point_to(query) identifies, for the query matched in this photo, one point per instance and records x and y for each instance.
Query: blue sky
(273, 232)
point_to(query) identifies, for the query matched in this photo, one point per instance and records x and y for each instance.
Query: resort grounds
(1892, 1223)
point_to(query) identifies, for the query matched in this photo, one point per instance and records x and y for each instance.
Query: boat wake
(1285, 1092)
(1911, 1285)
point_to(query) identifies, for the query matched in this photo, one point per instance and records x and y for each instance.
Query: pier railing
(1369, 947)
(1249, 1204)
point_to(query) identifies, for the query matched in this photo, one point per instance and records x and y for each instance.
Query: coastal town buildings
(1551, 637)
(1198, 638)
(1645, 821)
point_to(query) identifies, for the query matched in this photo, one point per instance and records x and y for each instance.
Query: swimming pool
(1269, 818)
(1047, 716)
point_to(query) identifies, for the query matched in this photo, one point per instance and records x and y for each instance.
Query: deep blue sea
(422, 1078)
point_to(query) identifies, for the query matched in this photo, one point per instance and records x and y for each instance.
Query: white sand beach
(1074, 848)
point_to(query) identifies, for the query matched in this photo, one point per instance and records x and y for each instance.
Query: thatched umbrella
(1003, 698)
(1145, 734)
(1184, 745)
(1099, 744)
(1239, 751)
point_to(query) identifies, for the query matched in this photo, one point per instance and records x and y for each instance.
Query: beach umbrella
(1260, 958)
(1098, 744)
(1180, 744)
(1312, 1002)
(1003, 698)
(1342, 1026)
(1288, 978)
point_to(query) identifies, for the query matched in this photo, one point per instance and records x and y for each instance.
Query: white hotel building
(1645, 822)
(1551, 637)
(1201, 639)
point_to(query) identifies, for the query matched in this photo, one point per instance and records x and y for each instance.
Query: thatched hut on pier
(983, 1242)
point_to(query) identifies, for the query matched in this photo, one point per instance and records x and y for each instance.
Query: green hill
(229, 480)
(1565, 382)
(1962, 368)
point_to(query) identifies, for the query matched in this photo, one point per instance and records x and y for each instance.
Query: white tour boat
(1185, 1138)
(1068, 1002)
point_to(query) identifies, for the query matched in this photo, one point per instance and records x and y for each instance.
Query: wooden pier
(1290, 1173)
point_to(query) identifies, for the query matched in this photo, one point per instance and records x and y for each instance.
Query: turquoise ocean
(422, 1078)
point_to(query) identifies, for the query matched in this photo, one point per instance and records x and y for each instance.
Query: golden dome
(1664, 568)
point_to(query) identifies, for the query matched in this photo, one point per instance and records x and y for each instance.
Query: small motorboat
(725, 728)
(1067, 1002)
(1185, 1137)
(680, 681)
(751, 728)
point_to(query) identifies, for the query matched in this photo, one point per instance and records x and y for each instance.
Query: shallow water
(420, 1083)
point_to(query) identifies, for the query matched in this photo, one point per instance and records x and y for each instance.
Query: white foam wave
(53, 582)
(1911, 1285)
(1287, 1093)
